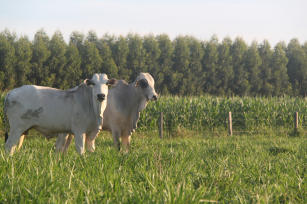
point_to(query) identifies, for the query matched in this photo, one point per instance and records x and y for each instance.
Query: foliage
(182, 66)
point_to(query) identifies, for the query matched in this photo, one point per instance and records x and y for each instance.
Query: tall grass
(2, 96)
(206, 112)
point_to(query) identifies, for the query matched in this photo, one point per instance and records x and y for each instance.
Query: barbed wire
(255, 131)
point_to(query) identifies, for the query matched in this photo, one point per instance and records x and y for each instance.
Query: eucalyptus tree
(120, 51)
(240, 85)
(7, 61)
(210, 66)
(152, 54)
(181, 58)
(56, 61)
(165, 63)
(252, 63)
(266, 53)
(225, 67)
(136, 55)
(40, 55)
(297, 67)
(23, 55)
(280, 78)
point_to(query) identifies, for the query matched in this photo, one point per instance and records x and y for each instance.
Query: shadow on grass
(105, 143)
(296, 133)
(277, 150)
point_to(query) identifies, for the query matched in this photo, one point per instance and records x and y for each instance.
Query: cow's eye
(90, 82)
(143, 83)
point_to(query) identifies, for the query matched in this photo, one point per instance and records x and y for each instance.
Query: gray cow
(125, 102)
(77, 111)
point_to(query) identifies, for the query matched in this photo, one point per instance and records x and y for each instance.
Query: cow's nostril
(101, 97)
(154, 97)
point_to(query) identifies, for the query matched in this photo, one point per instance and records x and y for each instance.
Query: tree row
(182, 66)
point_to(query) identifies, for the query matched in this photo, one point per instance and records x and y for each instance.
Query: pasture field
(191, 169)
(192, 164)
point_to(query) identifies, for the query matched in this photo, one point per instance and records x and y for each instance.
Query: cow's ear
(89, 82)
(111, 82)
(142, 83)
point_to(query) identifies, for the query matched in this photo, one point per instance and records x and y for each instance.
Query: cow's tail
(5, 119)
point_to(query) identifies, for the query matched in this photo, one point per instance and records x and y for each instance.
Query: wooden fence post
(229, 124)
(296, 121)
(161, 125)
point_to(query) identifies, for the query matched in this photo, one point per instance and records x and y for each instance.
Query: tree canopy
(182, 66)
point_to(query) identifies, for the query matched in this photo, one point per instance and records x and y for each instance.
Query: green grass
(190, 169)
(195, 163)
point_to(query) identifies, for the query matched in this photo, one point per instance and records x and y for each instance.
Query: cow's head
(99, 84)
(146, 85)
(99, 87)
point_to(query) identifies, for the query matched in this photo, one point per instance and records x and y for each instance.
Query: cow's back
(41, 107)
(20, 99)
(31, 97)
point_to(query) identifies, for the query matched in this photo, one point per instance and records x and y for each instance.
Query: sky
(252, 20)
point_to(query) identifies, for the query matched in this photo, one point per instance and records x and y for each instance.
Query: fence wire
(250, 126)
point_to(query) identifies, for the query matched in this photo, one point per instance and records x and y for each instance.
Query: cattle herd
(80, 112)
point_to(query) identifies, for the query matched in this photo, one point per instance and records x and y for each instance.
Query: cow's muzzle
(101, 97)
(154, 97)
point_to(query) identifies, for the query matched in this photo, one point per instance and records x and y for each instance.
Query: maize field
(210, 113)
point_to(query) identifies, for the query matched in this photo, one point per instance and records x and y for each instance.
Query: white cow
(77, 111)
(125, 102)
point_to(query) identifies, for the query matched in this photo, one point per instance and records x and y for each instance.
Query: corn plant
(209, 113)
(206, 112)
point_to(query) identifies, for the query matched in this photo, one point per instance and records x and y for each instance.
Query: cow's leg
(79, 142)
(126, 138)
(116, 134)
(90, 145)
(22, 137)
(61, 141)
(90, 141)
(12, 140)
(68, 141)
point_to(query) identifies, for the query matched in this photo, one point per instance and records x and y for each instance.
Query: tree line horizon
(183, 66)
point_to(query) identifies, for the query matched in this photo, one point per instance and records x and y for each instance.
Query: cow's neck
(139, 98)
(92, 106)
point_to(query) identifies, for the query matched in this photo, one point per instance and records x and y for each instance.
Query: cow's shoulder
(80, 96)
(121, 92)
(77, 90)
(74, 89)
(121, 84)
